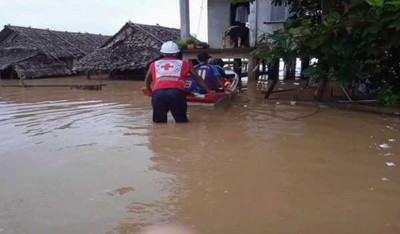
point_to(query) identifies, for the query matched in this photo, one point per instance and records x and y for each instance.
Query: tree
(354, 41)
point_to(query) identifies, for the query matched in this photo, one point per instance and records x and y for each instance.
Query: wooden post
(290, 71)
(319, 93)
(323, 83)
(305, 63)
(273, 75)
(100, 80)
(237, 67)
(253, 71)
(185, 20)
(264, 67)
(257, 70)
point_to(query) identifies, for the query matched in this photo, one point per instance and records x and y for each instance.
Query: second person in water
(210, 74)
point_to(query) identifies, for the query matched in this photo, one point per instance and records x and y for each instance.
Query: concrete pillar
(218, 14)
(253, 24)
(185, 20)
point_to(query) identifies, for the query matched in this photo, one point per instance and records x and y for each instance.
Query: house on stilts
(128, 53)
(27, 52)
(260, 17)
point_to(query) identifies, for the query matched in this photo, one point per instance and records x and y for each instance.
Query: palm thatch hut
(27, 52)
(127, 54)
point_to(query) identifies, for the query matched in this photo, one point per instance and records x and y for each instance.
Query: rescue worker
(169, 75)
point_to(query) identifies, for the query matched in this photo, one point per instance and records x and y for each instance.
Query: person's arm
(202, 83)
(148, 79)
(221, 82)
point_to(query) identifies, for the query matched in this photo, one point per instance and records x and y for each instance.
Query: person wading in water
(169, 75)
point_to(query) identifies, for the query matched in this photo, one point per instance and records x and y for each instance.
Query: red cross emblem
(167, 66)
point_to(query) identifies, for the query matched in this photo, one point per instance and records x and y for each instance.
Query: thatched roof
(54, 43)
(43, 52)
(31, 63)
(133, 47)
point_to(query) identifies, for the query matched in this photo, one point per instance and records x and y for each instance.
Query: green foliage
(375, 2)
(182, 44)
(279, 45)
(395, 2)
(354, 42)
(190, 41)
(382, 2)
(388, 97)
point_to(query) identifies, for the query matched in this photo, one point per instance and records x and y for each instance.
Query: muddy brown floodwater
(79, 161)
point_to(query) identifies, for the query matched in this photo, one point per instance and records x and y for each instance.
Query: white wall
(218, 21)
(264, 15)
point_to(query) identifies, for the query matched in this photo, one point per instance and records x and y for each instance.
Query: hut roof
(15, 55)
(133, 47)
(56, 44)
(30, 63)
(36, 52)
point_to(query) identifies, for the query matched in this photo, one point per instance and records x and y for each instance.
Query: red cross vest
(169, 73)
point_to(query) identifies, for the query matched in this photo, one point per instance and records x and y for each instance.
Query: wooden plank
(219, 53)
(55, 86)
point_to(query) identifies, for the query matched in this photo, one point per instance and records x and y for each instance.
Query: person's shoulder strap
(185, 67)
(153, 69)
(185, 63)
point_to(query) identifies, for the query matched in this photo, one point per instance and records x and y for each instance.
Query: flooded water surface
(81, 161)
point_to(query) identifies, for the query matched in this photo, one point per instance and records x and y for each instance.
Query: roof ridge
(157, 25)
(87, 35)
(58, 47)
(44, 50)
(45, 29)
(140, 27)
(65, 40)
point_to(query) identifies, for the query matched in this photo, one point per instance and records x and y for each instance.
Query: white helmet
(169, 47)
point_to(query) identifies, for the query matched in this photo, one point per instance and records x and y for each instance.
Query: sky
(101, 16)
